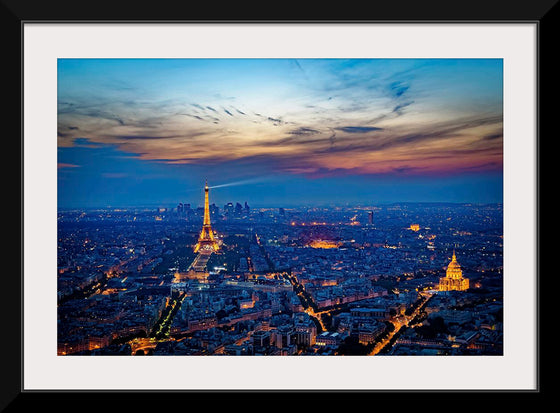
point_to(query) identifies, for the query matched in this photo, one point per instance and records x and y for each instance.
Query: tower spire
(206, 241)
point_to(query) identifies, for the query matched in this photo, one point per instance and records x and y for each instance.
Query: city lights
(279, 207)
(276, 288)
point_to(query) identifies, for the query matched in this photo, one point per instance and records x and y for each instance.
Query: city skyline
(286, 132)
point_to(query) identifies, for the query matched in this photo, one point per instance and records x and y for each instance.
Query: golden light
(324, 244)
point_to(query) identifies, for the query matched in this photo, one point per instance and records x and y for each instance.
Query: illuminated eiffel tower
(206, 242)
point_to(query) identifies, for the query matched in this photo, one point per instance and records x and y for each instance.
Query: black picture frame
(14, 14)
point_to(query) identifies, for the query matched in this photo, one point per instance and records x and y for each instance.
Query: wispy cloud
(399, 108)
(318, 117)
(303, 131)
(358, 129)
(66, 165)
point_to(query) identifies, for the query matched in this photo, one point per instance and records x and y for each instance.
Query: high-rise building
(453, 280)
(214, 210)
(238, 209)
(187, 211)
(228, 208)
(370, 218)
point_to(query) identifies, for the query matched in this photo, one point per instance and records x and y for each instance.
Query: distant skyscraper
(214, 210)
(453, 280)
(370, 218)
(238, 209)
(281, 212)
(228, 208)
(187, 211)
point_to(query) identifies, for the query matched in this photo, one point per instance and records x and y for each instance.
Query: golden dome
(453, 279)
(454, 269)
(454, 263)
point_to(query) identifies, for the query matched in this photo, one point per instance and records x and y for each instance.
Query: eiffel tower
(206, 242)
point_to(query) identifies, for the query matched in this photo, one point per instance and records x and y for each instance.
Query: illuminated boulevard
(163, 326)
(398, 321)
(306, 301)
(402, 321)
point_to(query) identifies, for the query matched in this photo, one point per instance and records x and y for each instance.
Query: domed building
(453, 280)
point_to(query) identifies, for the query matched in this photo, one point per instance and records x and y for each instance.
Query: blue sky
(135, 132)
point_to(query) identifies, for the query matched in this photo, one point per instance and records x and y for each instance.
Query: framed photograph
(289, 206)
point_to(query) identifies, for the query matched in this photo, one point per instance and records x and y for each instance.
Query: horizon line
(349, 205)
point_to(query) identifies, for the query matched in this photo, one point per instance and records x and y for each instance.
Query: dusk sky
(283, 132)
